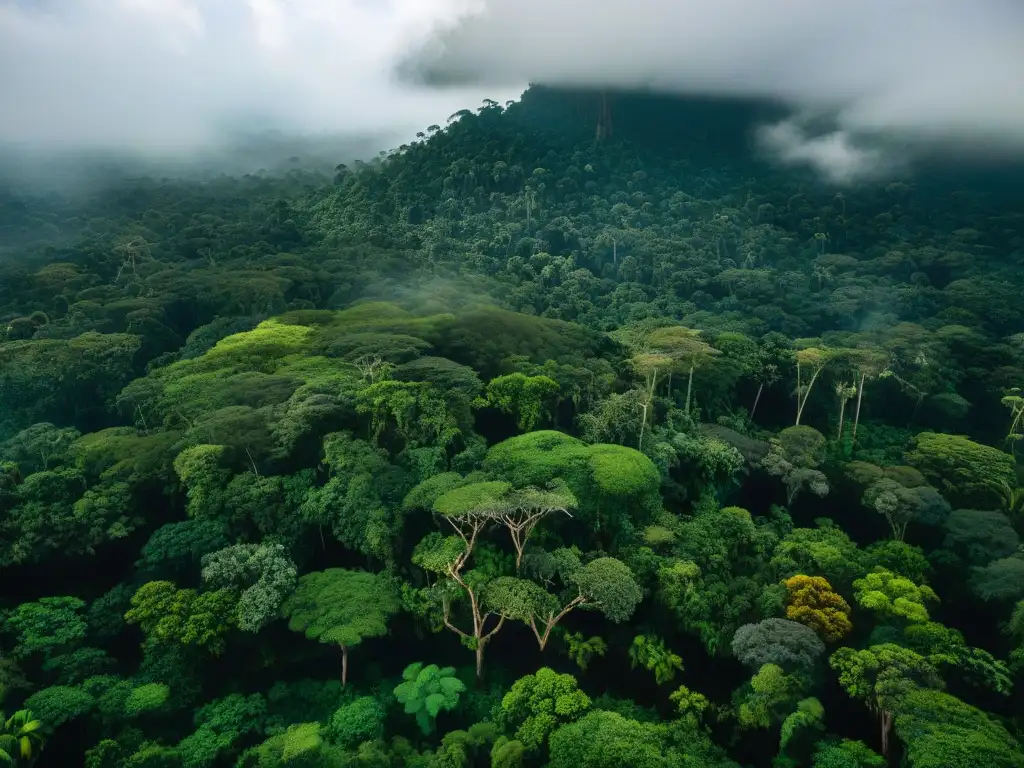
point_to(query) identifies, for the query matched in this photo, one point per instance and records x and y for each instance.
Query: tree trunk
(650, 400)
(799, 392)
(643, 424)
(842, 413)
(803, 402)
(544, 638)
(552, 621)
(480, 659)
(856, 415)
(757, 399)
(689, 389)
(886, 722)
(344, 666)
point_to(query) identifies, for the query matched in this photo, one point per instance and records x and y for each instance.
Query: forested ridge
(570, 434)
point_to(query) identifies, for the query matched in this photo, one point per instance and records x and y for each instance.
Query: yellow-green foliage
(621, 472)
(525, 397)
(616, 487)
(258, 349)
(387, 317)
(812, 601)
(255, 390)
(481, 498)
(893, 596)
(146, 698)
(182, 616)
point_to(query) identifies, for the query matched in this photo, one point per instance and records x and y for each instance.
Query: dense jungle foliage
(563, 436)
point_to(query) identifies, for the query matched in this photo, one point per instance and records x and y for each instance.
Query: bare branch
(501, 622)
(446, 603)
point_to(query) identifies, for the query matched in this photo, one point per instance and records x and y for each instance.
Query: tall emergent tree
(868, 363)
(604, 584)
(649, 365)
(342, 607)
(879, 675)
(687, 351)
(813, 359)
(479, 505)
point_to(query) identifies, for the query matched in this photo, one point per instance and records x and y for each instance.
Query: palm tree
(21, 738)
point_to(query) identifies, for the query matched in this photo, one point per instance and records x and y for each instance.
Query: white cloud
(919, 73)
(169, 76)
(173, 75)
(835, 154)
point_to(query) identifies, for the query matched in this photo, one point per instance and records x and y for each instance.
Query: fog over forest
(491, 384)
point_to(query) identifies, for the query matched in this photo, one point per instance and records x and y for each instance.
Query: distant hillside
(674, 207)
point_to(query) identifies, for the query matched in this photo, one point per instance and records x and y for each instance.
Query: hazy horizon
(174, 80)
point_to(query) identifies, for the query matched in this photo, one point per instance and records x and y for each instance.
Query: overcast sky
(173, 74)
(168, 75)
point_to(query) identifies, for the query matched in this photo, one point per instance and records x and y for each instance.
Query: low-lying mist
(38, 170)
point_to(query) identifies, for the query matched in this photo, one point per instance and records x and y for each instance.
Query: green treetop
(893, 597)
(428, 690)
(47, 626)
(341, 607)
(969, 473)
(537, 704)
(879, 675)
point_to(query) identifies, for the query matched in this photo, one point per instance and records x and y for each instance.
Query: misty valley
(574, 432)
